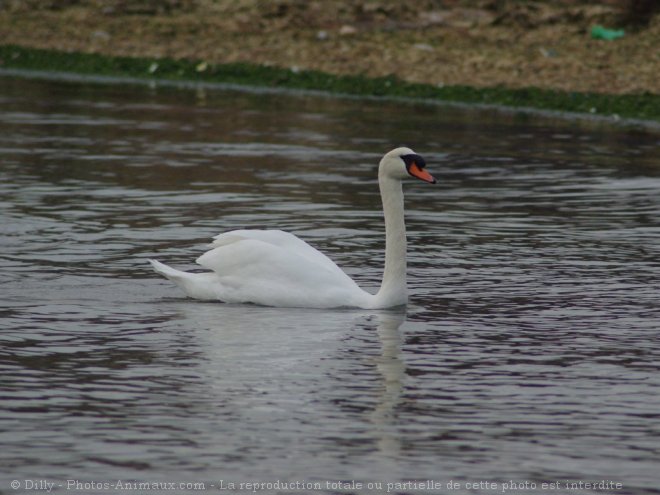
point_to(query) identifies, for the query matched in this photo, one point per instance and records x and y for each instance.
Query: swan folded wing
(279, 238)
(255, 271)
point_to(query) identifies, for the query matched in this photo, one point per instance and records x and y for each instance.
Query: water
(529, 354)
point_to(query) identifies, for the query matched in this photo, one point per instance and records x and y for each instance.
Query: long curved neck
(393, 290)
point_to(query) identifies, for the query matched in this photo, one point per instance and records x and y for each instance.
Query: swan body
(276, 268)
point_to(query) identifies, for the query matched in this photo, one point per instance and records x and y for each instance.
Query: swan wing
(278, 238)
(281, 272)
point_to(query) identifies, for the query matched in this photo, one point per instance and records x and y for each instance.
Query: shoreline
(636, 110)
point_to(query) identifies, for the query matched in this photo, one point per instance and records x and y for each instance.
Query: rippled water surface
(530, 351)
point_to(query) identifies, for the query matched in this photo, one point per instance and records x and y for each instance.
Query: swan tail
(166, 271)
(195, 285)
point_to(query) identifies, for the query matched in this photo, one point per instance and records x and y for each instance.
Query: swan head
(401, 163)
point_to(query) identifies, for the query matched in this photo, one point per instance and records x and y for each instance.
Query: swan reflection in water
(392, 369)
(276, 368)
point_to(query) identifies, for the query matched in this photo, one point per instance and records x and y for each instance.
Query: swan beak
(420, 173)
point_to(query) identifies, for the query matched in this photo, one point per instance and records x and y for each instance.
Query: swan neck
(393, 290)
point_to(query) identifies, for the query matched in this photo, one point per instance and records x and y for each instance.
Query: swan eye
(409, 160)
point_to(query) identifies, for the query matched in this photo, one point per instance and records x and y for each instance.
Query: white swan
(275, 268)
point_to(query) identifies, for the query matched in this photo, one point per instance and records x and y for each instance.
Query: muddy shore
(480, 43)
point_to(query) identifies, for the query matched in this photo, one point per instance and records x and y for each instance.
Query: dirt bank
(476, 43)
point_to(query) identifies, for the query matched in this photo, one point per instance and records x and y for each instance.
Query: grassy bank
(639, 106)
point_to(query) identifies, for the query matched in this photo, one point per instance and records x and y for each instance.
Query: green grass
(639, 106)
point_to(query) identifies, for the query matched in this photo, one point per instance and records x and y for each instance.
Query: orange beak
(420, 173)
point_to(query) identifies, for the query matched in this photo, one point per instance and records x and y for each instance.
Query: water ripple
(529, 350)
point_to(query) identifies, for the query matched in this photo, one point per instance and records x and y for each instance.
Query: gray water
(529, 353)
